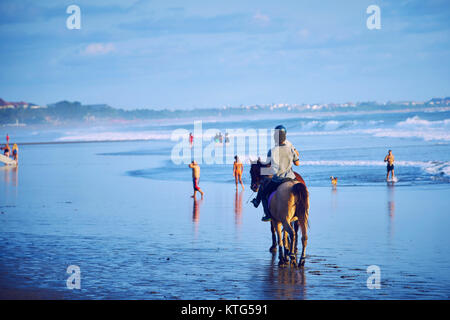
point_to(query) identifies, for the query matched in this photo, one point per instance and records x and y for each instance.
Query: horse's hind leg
(281, 258)
(287, 227)
(286, 246)
(296, 227)
(303, 227)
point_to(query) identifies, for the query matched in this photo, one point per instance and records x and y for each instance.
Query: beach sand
(136, 238)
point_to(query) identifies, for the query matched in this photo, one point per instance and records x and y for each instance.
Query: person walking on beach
(390, 165)
(238, 168)
(7, 139)
(195, 178)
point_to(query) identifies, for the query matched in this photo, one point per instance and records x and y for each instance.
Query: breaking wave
(412, 127)
(117, 136)
(431, 167)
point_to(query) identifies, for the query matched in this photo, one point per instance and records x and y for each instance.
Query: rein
(253, 192)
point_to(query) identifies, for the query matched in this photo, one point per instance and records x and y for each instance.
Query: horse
(289, 204)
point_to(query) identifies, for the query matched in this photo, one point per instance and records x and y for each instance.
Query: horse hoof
(282, 264)
(302, 261)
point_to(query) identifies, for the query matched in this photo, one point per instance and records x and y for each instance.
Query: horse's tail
(302, 205)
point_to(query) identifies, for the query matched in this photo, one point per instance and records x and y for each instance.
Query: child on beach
(195, 178)
(238, 167)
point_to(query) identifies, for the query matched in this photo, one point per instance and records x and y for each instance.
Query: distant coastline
(66, 112)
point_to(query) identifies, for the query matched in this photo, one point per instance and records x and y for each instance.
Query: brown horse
(289, 209)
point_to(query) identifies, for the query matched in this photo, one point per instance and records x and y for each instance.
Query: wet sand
(136, 238)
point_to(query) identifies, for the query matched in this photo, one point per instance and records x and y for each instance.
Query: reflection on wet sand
(11, 174)
(196, 214)
(391, 208)
(5, 170)
(238, 207)
(15, 176)
(334, 197)
(286, 283)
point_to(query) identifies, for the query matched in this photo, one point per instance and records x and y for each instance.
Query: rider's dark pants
(264, 193)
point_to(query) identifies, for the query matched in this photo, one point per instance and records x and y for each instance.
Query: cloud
(303, 33)
(261, 18)
(95, 49)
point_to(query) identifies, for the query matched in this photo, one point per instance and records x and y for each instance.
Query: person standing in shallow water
(195, 178)
(191, 139)
(390, 165)
(238, 168)
(15, 152)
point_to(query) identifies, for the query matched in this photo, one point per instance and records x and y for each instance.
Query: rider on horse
(281, 157)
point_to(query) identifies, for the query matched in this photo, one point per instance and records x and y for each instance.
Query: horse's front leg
(273, 248)
(287, 227)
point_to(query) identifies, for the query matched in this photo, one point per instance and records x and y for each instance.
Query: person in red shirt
(191, 139)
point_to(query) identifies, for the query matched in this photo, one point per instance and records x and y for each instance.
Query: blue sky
(185, 54)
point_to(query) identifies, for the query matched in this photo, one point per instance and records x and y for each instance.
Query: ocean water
(350, 145)
(120, 209)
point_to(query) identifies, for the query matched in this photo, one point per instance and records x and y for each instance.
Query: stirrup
(255, 202)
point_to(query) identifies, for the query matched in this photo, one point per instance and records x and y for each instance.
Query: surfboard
(7, 161)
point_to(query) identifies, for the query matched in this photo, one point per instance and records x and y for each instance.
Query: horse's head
(255, 174)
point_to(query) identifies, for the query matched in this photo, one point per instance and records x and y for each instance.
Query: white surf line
(431, 167)
(366, 163)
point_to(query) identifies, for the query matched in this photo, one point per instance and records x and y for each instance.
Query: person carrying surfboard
(390, 165)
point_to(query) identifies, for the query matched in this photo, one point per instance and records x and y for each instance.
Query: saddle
(274, 186)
